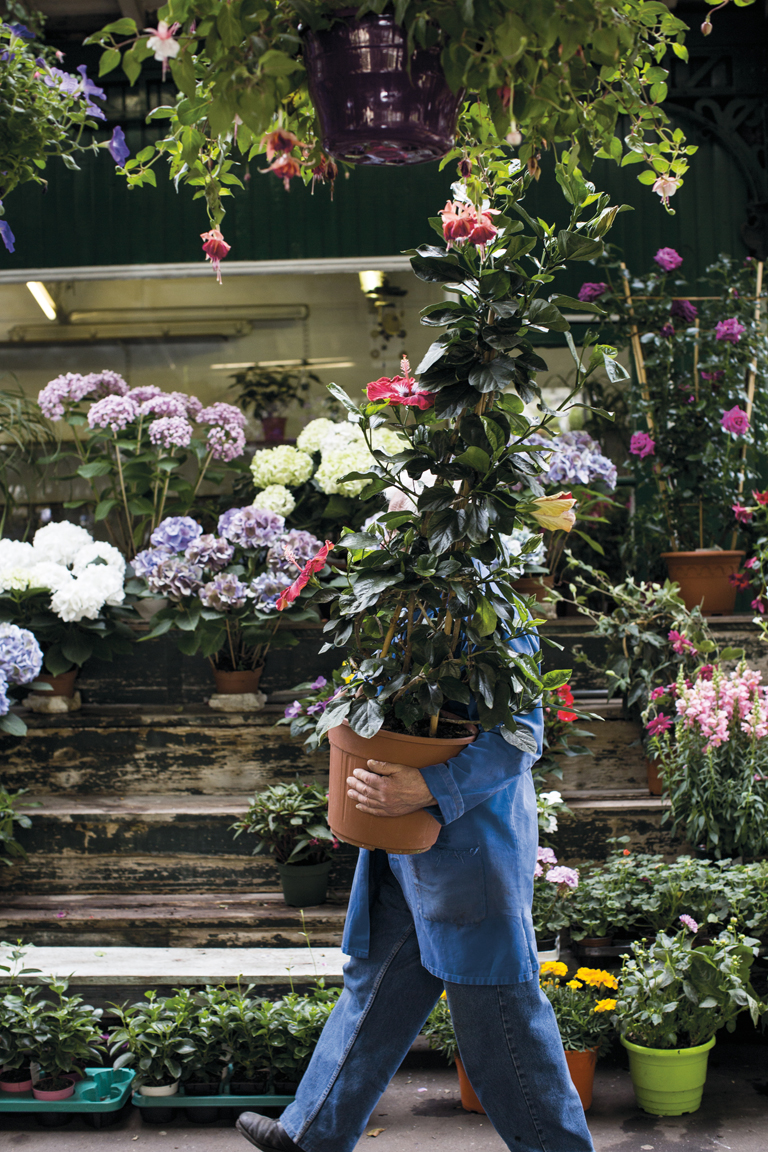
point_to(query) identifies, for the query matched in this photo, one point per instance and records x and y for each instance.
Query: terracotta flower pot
(53, 1094)
(63, 685)
(655, 784)
(370, 109)
(595, 941)
(273, 428)
(15, 1080)
(402, 835)
(581, 1066)
(469, 1100)
(703, 578)
(235, 683)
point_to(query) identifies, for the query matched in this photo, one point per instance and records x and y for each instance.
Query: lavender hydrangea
(576, 459)
(69, 388)
(176, 578)
(144, 563)
(226, 435)
(250, 527)
(115, 412)
(20, 655)
(144, 393)
(293, 548)
(105, 383)
(176, 533)
(170, 432)
(5, 700)
(166, 404)
(266, 588)
(210, 552)
(226, 591)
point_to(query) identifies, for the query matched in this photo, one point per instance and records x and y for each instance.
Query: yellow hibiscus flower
(555, 512)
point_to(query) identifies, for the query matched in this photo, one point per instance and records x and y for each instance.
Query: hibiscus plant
(427, 606)
(544, 74)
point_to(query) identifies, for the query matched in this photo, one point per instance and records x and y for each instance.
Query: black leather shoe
(268, 1135)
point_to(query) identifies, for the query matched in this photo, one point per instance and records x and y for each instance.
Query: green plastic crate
(102, 1090)
(223, 1099)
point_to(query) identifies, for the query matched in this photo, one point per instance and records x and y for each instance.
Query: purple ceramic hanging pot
(371, 111)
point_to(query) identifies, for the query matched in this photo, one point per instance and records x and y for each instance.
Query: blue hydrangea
(266, 588)
(576, 459)
(176, 533)
(20, 655)
(5, 700)
(147, 562)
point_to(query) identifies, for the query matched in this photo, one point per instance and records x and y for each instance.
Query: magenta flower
(115, 412)
(667, 258)
(758, 605)
(685, 310)
(689, 922)
(590, 292)
(680, 644)
(735, 420)
(742, 514)
(751, 563)
(658, 693)
(729, 330)
(713, 377)
(658, 724)
(642, 445)
(667, 331)
(706, 672)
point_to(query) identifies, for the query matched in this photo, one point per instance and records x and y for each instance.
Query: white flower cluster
(515, 542)
(343, 449)
(276, 498)
(282, 465)
(547, 804)
(82, 574)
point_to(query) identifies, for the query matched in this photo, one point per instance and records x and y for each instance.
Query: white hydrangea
(312, 437)
(60, 542)
(281, 465)
(14, 579)
(99, 550)
(104, 580)
(85, 596)
(335, 465)
(340, 437)
(276, 498)
(46, 574)
(15, 554)
(389, 441)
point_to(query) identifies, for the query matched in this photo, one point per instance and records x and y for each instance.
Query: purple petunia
(7, 236)
(176, 533)
(685, 310)
(115, 412)
(117, 147)
(210, 552)
(729, 330)
(590, 292)
(250, 527)
(668, 259)
(170, 432)
(226, 591)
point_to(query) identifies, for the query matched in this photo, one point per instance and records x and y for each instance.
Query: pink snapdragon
(718, 708)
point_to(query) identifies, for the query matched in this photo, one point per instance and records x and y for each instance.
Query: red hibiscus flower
(316, 564)
(401, 389)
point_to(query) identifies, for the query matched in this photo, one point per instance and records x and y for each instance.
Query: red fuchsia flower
(642, 445)
(739, 580)
(658, 724)
(465, 167)
(743, 515)
(729, 330)
(215, 248)
(706, 671)
(483, 232)
(685, 310)
(680, 644)
(667, 258)
(592, 291)
(735, 420)
(666, 186)
(316, 564)
(277, 142)
(286, 167)
(325, 172)
(458, 221)
(400, 389)
(758, 605)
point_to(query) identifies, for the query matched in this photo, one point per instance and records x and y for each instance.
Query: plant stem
(203, 471)
(231, 646)
(129, 533)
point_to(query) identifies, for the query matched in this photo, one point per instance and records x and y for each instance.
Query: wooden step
(153, 843)
(184, 920)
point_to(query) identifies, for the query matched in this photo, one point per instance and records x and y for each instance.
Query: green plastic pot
(304, 884)
(668, 1081)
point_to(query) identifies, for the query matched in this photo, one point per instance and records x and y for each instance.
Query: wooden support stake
(751, 381)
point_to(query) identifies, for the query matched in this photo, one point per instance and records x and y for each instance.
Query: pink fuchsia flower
(483, 232)
(729, 330)
(760, 497)
(735, 420)
(401, 389)
(642, 445)
(680, 644)
(115, 412)
(667, 331)
(458, 221)
(689, 922)
(286, 167)
(592, 291)
(278, 142)
(666, 186)
(742, 514)
(170, 432)
(685, 310)
(758, 605)
(162, 43)
(568, 877)
(751, 563)
(658, 724)
(215, 248)
(667, 258)
(316, 564)
(713, 377)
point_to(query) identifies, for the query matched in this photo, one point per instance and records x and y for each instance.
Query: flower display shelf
(102, 1090)
(223, 1099)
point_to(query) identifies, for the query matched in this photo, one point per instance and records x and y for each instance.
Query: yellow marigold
(443, 995)
(553, 968)
(605, 1006)
(574, 984)
(597, 978)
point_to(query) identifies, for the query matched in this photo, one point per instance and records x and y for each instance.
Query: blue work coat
(470, 895)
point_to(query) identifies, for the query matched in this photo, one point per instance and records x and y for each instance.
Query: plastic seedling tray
(102, 1090)
(223, 1099)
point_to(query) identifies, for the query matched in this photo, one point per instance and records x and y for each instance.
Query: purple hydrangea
(266, 588)
(221, 415)
(175, 577)
(145, 392)
(105, 383)
(20, 655)
(293, 549)
(144, 563)
(5, 700)
(210, 552)
(293, 710)
(70, 388)
(115, 412)
(226, 436)
(117, 147)
(685, 310)
(176, 533)
(170, 432)
(576, 459)
(165, 404)
(561, 875)
(730, 330)
(250, 527)
(226, 591)
(668, 259)
(590, 292)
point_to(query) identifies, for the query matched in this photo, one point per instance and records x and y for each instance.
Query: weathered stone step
(183, 920)
(153, 843)
(584, 835)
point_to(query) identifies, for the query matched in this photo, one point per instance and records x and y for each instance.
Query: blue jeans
(507, 1034)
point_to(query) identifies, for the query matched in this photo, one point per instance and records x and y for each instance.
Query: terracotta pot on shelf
(581, 1066)
(62, 685)
(595, 941)
(655, 783)
(403, 835)
(273, 428)
(373, 108)
(236, 683)
(540, 587)
(703, 578)
(469, 1100)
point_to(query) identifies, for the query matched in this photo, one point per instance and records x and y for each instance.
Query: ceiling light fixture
(43, 297)
(371, 282)
(314, 362)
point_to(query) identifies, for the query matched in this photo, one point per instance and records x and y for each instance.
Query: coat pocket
(450, 885)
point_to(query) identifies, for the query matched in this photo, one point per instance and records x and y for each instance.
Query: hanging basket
(371, 110)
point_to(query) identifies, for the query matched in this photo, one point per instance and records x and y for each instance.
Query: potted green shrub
(67, 1035)
(294, 1030)
(673, 998)
(291, 823)
(583, 1007)
(245, 1026)
(153, 1035)
(18, 1013)
(268, 393)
